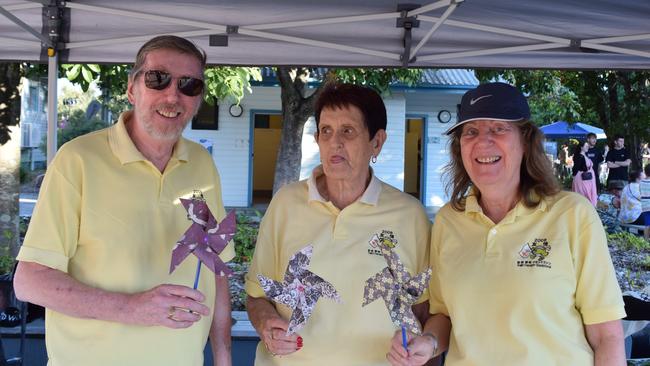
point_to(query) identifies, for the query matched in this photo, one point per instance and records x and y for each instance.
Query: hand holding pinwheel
(205, 238)
(300, 289)
(399, 290)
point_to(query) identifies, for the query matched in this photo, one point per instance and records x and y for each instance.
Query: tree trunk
(296, 110)
(10, 74)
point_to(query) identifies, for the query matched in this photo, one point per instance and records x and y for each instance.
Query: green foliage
(379, 79)
(549, 99)
(81, 74)
(245, 238)
(223, 82)
(628, 241)
(7, 263)
(23, 174)
(73, 126)
(617, 101)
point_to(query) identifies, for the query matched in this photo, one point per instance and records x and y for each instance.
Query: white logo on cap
(473, 101)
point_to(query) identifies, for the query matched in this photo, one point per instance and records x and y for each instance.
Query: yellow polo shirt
(520, 292)
(345, 255)
(107, 217)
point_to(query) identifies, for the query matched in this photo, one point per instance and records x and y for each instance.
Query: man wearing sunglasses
(98, 250)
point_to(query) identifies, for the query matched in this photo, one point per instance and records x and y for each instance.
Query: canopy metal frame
(410, 55)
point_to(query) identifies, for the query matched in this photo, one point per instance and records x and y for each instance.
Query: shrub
(245, 237)
(7, 263)
(628, 241)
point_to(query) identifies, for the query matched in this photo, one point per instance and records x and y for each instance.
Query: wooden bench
(634, 229)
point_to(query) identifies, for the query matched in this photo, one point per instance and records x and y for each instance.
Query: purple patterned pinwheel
(205, 237)
(398, 289)
(300, 289)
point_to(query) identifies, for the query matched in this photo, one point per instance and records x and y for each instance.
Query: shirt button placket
(490, 248)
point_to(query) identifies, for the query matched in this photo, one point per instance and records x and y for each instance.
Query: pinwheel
(205, 238)
(300, 289)
(399, 290)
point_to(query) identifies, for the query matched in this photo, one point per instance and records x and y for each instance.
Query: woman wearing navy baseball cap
(522, 273)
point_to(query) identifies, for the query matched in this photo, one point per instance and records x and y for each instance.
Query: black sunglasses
(160, 80)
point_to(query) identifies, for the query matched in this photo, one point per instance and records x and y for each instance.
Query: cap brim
(450, 130)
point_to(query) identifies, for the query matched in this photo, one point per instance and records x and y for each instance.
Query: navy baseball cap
(496, 101)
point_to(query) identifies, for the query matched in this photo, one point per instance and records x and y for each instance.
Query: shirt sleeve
(610, 156)
(423, 231)
(436, 303)
(53, 233)
(598, 296)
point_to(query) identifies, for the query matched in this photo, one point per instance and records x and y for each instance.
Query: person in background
(644, 192)
(98, 249)
(631, 201)
(597, 156)
(584, 177)
(566, 161)
(618, 160)
(522, 272)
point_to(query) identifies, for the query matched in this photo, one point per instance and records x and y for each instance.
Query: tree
(10, 75)
(617, 101)
(220, 82)
(298, 106)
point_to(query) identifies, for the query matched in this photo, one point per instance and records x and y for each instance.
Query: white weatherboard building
(244, 141)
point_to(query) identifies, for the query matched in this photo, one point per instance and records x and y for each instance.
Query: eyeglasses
(160, 80)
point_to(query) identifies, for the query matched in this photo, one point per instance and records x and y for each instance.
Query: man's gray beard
(153, 132)
(167, 135)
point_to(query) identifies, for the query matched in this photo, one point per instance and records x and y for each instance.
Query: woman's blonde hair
(536, 180)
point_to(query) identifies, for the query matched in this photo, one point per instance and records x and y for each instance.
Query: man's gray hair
(166, 42)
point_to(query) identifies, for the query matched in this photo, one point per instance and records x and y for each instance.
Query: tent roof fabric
(560, 34)
(565, 130)
(430, 77)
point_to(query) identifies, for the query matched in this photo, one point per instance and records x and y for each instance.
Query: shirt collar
(472, 206)
(126, 151)
(370, 196)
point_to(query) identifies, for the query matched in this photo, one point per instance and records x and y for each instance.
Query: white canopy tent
(560, 34)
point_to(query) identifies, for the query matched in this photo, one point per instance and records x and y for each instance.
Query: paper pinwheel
(205, 237)
(300, 289)
(398, 289)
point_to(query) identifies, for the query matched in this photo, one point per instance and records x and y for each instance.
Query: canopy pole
(407, 22)
(53, 19)
(52, 76)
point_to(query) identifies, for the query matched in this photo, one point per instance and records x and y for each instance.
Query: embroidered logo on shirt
(386, 238)
(534, 254)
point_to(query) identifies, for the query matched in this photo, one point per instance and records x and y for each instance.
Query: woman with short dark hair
(347, 215)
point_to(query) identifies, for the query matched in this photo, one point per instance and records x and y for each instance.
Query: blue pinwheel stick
(404, 342)
(198, 274)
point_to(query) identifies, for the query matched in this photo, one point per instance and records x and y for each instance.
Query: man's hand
(172, 306)
(274, 336)
(420, 349)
